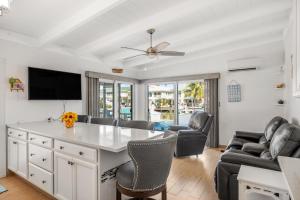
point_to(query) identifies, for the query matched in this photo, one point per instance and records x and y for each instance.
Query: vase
(69, 124)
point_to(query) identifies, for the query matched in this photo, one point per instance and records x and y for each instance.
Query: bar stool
(146, 174)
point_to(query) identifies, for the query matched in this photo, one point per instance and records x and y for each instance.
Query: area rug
(2, 189)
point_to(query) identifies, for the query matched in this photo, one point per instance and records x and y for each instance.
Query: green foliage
(195, 90)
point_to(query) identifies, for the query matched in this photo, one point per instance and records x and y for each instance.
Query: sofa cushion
(254, 148)
(285, 141)
(237, 143)
(198, 120)
(266, 155)
(296, 154)
(272, 126)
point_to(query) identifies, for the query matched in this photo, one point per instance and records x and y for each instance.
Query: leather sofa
(192, 138)
(258, 150)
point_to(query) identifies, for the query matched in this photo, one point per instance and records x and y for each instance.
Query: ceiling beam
(220, 51)
(213, 43)
(96, 9)
(247, 16)
(185, 9)
(35, 43)
(178, 11)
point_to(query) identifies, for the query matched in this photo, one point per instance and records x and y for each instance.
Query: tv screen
(53, 85)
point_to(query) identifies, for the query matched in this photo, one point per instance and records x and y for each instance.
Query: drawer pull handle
(81, 153)
(43, 182)
(44, 159)
(44, 142)
(31, 175)
(19, 135)
(61, 147)
(15, 143)
(9, 132)
(32, 138)
(32, 154)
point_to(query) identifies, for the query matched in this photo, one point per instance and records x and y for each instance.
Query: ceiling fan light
(4, 6)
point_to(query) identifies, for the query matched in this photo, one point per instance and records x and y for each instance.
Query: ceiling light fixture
(4, 6)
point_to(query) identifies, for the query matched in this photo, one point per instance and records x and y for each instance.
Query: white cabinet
(12, 154)
(74, 179)
(85, 180)
(63, 177)
(17, 156)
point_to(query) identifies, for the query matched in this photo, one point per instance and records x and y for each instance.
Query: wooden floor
(191, 178)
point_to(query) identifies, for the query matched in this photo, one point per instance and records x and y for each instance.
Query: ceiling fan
(154, 51)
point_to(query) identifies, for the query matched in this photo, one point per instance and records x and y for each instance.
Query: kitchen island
(71, 163)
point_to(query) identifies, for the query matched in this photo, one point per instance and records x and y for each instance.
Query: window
(161, 99)
(106, 100)
(173, 103)
(125, 101)
(190, 99)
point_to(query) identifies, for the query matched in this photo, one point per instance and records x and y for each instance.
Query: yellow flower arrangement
(69, 119)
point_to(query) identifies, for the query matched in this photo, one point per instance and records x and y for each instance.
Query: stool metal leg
(118, 195)
(164, 194)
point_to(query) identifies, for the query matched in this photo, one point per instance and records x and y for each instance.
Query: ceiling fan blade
(171, 53)
(128, 58)
(133, 49)
(161, 46)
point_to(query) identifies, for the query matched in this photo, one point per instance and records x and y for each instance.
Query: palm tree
(195, 90)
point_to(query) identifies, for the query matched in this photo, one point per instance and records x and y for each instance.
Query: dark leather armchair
(104, 121)
(285, 142)
(139, 124)
(192, 138)
(146, 175)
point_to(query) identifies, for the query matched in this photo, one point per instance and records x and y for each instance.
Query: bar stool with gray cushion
(139, 124)
(104, 121)
(146, 175)
(83, 118)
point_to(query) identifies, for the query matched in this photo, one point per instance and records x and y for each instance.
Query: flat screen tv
(53, 85)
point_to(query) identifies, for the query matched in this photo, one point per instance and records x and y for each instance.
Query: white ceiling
(96, 29)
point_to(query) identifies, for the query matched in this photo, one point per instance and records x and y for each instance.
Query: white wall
(2, 120)
(293, 104)
(18, 58)
(258, 105)
(259, 95)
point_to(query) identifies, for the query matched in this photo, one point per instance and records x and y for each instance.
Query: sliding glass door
(190, 99)
(174, 103)
(125, 101)
(161, 99)
(106, 100)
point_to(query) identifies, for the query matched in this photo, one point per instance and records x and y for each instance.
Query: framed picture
(295, 59)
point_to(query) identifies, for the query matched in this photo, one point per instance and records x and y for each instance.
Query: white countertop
(104, 137)
(260, 176)
(291, 170)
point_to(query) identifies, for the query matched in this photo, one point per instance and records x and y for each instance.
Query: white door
(22, 159)
(63, 177)
(12, 154)
(85, 180)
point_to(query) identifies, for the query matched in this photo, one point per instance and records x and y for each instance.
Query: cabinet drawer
(41, 178)
(17, 134)
(40, 140)
(41, 157)
(77, 150)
